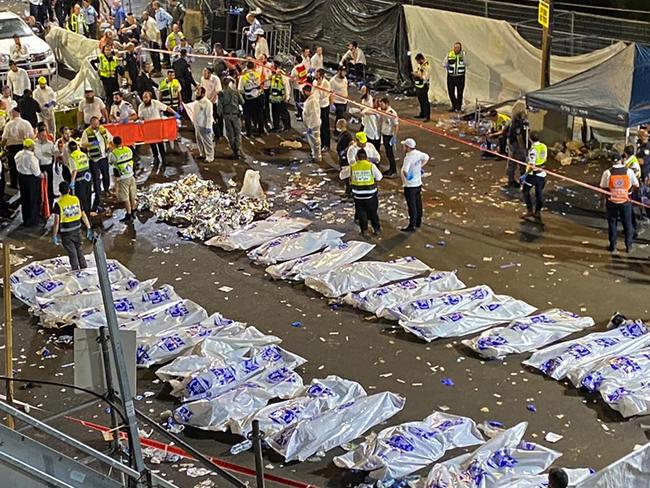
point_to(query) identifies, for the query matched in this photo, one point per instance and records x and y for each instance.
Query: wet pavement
(470, 225)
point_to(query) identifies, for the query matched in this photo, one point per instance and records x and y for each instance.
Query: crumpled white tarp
(321, 395)
(401, 450)
(575, 476)
(70, 48)
(294, 246)
(316, 264)
(235, 405)
(528, 334)
(376, 300)
(257, 233)
(456, 324)
(364, 275)
(558, 360)
(631, 471)
(336, 426)
(73, 91)
(494, 464)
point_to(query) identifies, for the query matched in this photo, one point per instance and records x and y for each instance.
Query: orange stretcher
(147, 132)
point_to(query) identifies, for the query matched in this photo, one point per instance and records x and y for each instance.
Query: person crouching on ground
(67, 223)
(121, 158)
(363, 177)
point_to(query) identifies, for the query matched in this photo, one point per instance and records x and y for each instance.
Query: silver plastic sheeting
(321, 395)
(317, 264)
(257, 233)
(294, 246)
(631, 471)
(335, 427)
(557, 361)
(213, 382)
(494, 464)
(235, 405)
(376, 300)
(364, 275)
(576, 476)
(399, 451)
(528, 334)
(458, 324)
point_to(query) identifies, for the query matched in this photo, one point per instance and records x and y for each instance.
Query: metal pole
(257, 451)
(9, 332)
(118, 359)
(547, 40)
(110, 391)
(573, 34)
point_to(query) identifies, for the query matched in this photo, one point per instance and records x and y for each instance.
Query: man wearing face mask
(203, 121)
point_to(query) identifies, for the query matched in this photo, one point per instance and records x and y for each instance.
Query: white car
(41, 60)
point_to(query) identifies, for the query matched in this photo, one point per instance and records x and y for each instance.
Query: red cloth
(45, 202)
(147, 132)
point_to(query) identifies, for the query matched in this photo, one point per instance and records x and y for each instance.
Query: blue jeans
(622, 211)
(538, 183)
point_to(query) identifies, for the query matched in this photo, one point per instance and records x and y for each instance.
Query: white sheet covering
(294, 246)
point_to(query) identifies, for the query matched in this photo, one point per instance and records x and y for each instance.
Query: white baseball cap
(410, 143)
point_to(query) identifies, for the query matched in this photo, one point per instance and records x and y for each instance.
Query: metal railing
(278, 37)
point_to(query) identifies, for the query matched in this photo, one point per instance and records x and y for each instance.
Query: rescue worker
(174, 38)
(324, 99)
(279, 97)
(499, 131)
(299, 76)
(535, 177)
(312, 120)
(411, 174)
(184, 76)
(456, 65)
(517, 147)
(250, 88)
(228, 106)
(122, 112)
(95, 139)
(107, 70)
(361, 142)
(75, 21)
(421, 77)
(46, 99)
(619, 181)
(121, 159)
(68, 215)
(29, 177)
(80, 175)
(203, 122)
(170, 91)
(364, 176)
(632, 162)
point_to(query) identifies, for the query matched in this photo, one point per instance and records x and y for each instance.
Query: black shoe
(408, 229)
(611, 249)
(376, 232)
(389, 173)
(537, 215)
(528, 215)
(426, 119)
(419, 117)
(364, 234)
(127, 218)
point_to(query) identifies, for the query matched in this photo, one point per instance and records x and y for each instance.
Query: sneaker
(407, 229)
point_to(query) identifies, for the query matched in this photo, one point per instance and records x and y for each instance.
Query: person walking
(46, 99)
(421, 78)
(95, 140)
(68, 216)
(18, 80)
(228, 107)
(414, 161)
(389, 127)
(364, 176)
(250, 87)
(620, 182)
(121, 159)
(80, 175)
(152, 109)
(13, 135)
(184, 76)
(312, 120)
(107, 70)
(324, 98)
(339, 86)
(279, 98)
(456, 65)
(29, 177)
(203, 122)
(535, 177)
(44, 151)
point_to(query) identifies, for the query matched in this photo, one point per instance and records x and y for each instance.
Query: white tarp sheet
(73, 91)
(257, 233)
(494, 464)
(336, 426)
(501, 64)
(558, 360)
(457, 324)
(401, 450)
(70, 48)
(331, 258)
(364, 275)
(376, 300)
(631, 471)
(528, 334)
(294, 246)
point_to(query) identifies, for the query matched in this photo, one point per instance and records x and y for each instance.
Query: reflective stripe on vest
(502, 121)
(455, 64)
(633, 164)
(80, 162)
(619, 185)
(301, 71)
(362, 180)
(94, 152)
(277, 89)
(123, 161)
(70, 213)
(251, 84)
(106, 68)
(540, 158)
(421, 70)
(73, 23)
(169, 91)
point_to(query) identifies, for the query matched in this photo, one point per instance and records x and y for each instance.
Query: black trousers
(413, 196)
(217, 126)
(254, 115)
(155, 57)
(376, 143)
(30, 199)
(163, 38)
(280, 114)
(71, 242)
(456, 87)
(325, 139)
(49, 171)
(110, 86)
(537, 182)
(392, 168)
(11, 158)
(158, 151)
(518, 152)
(366, 210)
(83, 191)
(622, 212)
(297, 98)
(267, 107)
(39, 12)
(101, 177)
(339, 110)
(423, 100)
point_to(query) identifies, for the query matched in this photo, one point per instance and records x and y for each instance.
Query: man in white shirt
(261, 45)
(306, 58)
(299, 74)
(46, 98)
(323, 91)
(203, 121)
(62, 153)
(411, 174)
(91, 106)
(339, 85)
(8, 100)
(13, 135)
(18, 52)
(121, 111)
(151, 38)
(152, 109)
(361, 142)
(619, 181)
(389, 123)
(44, 151)
(29, 175)
(212, 85)
(18, 80)
(316, 60)
(355, 60)
(312, 119)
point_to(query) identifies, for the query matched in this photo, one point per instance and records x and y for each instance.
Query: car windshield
(9, 27)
